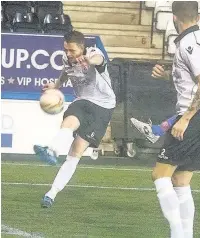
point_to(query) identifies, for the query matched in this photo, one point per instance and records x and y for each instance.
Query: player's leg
(161, 129)
(61, 143)
(145, 129)
(183, 176)
(185, 155)
(153, 132)
(66, 171)
(93, 125)
(167, 197)
(64, 138)
(181, 181)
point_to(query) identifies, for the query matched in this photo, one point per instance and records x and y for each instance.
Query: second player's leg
(181, 181)
(168, 198)
(162, 170)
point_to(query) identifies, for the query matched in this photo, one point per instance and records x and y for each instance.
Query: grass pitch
(100, 201)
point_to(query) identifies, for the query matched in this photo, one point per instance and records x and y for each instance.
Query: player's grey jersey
(91, 84)
(186, 67)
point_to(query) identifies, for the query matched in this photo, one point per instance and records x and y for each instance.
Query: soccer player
(180, 155)
(87, 117)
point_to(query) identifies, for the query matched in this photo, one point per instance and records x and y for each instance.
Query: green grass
(86, 212)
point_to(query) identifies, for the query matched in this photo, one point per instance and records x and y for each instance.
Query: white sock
(170, 205)
(187, 209)
(61, 143)
(63, 176)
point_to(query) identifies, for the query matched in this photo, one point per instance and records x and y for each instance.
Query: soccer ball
(52, 101)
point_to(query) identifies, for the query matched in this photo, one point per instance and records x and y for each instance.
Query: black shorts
(184, 154)
(93, 119)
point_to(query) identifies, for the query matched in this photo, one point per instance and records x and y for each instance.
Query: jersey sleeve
(191, 56)
(95, 51)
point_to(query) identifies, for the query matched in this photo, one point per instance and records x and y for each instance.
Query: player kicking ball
(180, 155)
(87, 117)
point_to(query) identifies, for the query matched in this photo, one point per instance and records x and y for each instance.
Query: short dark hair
(75, 37)
(186, 11)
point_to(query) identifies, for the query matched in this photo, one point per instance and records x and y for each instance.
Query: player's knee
(162, 170)
(71, 122)
(180, 181)
(157, 174)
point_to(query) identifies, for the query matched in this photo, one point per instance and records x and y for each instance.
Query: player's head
(74, 45)
(185, 13)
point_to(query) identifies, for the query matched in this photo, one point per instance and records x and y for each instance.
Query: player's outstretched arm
(96, 59)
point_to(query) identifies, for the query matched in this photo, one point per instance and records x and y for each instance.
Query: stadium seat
(11, 8)
(171, 47)
(161, 20)
(28, 22)
(170, 29)
(3, 3)
(150, 4)
(43, 8)
(162, 14)
(57, 24)
(170, 36)
(163, 6)
(5, 23)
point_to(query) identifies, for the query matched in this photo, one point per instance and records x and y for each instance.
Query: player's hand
(83, 60)
(49, 86)
(179, 128)
(158, 71)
